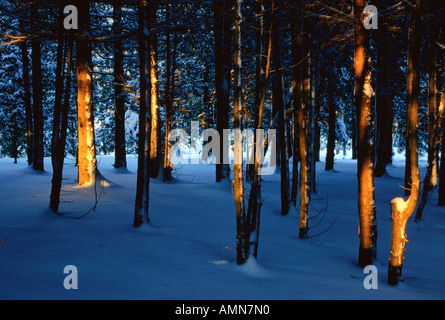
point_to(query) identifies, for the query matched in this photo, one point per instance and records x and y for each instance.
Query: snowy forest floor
(187, 251)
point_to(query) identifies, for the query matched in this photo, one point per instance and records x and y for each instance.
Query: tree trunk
(61, 109)
(255, 203)
(278, 105)
(37, 89)
(143, 173)
(222, 80)
(441, 201)
(170, 79)
(120, 157)
(365, 149)
(238, 183)
(27, 96)
(427, 185)
(87, 164)
(297, 56)
(303, 126)
(401, 210)
(384, 105)
(330, 153)
(155, 112)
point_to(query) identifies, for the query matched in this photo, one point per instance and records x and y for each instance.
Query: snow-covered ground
(187, 252)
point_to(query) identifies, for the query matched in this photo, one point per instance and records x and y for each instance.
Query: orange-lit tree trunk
(238, 183)
(155, 112)
(169, 94)
(303, 131)
(365, 149)
(427, 184)
(143, 173)
(401, 210)
(87, 165)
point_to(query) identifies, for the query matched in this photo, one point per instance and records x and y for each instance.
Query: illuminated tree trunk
(427, 185)
(401, 210)
(143, 173)
(87, 165)
(365, 148)
(303, 127)
(120, 157)
(155, 112)
(170, 80)
(238, 183)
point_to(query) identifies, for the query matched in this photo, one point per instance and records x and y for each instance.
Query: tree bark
(155, 112)
(37, 92)
(427, 185)
(365, 149)
(278, 105)
(170, 79)
(120, 156)
(401, 210)
(87, 164)
(384, 105)
(27, 95)
(330, 153)
(297, 56)
(141, 215)
(303, 126)
(222, 34)
(238, 183)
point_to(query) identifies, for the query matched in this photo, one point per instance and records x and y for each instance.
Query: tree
(331, 127)
(238, 183)
(303, 127)
(401, 210)
(87, 163)
(143, 172)
(60, 121)
(222, 79)
(279, 108)
(37, 94)
(119, 98)
(365, 149)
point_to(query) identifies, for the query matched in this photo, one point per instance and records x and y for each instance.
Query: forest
(222, 149)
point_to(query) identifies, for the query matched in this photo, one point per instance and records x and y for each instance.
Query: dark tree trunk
(384, 106)
(120, 157)
(27, 96)
(60, 124)
(278, 105)
(222, 25)
(37, 91)
(330, 154)
(143, 172)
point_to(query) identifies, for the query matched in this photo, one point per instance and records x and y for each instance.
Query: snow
(187, 250)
